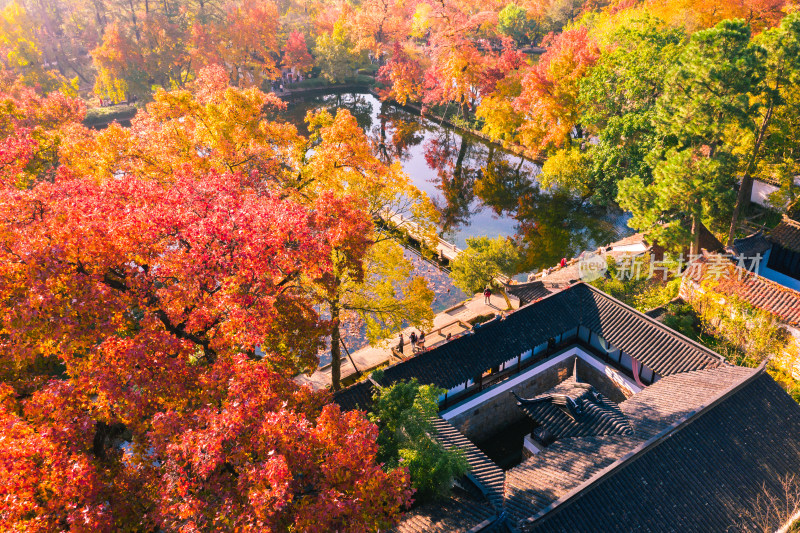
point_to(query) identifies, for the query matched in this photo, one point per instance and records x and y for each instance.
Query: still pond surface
(478, 189)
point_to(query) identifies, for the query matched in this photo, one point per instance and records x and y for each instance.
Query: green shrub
(403, 413)
(480, 319)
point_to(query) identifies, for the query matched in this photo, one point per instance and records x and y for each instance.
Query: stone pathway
(376, 355)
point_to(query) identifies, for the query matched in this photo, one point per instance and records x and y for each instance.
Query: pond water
(477, 188)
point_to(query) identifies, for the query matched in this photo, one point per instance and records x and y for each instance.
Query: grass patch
(103, 115)
(369, 70)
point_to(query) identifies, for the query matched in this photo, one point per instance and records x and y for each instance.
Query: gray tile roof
(356, 396)
(574, 409)
(564, 465)
(528, 292)
(652, 343)
(787, 234)
(487, 475)
(751, 245)
(655, 345)
(710, 474)
(495, 341)
(460, 512)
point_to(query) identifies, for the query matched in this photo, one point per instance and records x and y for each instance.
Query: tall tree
(21, 50)
(618, 105)
(134, 61)
(379, 288)
(250, 45)
(782, 67)
(549, 98)
(513, 22)
(210, 125)
(403, 413)
(379, 24)
(403, 75)
(708, 95)
(296, 53)
(337, 55)
(134, 305)
(32, 128)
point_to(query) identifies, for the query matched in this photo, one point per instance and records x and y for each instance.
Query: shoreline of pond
(516, 149)
(101, 117)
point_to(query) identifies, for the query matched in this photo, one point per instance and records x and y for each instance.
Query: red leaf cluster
(139, 284)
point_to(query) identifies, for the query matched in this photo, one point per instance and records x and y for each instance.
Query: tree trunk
(505, 295)
(135, 23)
(745, 190)
(459, 166)
(695, 248)
(336, 349)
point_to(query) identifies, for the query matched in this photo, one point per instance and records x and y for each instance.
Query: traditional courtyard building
(578, 413)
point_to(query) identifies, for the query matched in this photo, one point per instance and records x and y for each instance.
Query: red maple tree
(152, 318)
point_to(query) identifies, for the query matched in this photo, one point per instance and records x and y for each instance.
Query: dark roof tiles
(652, 343)
(529, 292)
(712, 473)
(358, 396)
(574, 409)
(487, 475)
(751, 245)
(787, 234)
(494, 342)
(561, 467)
(460, 512)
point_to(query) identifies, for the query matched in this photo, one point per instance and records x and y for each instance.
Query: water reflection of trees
(397, 131)
(452, 158)
(359, 105)
(552, 225)
(502, 184)
(472, 176)
(549, 224)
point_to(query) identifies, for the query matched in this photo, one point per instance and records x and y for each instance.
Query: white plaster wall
(620, 379)
(762, 190)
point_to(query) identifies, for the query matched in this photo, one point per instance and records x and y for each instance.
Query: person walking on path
(400, 344)
(563, 262)
(413, 338)
(487, 295)
(421, 341)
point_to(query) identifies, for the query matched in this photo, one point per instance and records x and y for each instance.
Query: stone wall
(604, 385)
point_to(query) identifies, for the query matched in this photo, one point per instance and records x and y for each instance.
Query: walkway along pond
(477, 188)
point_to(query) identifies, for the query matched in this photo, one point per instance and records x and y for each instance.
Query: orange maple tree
(549, 98)
(296, 53)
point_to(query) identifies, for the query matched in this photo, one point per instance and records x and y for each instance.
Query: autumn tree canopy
(155, 309)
